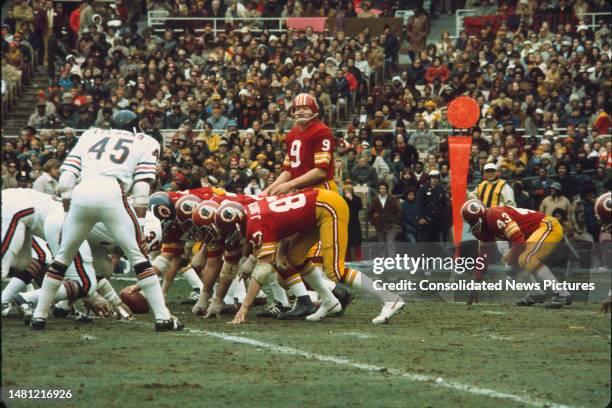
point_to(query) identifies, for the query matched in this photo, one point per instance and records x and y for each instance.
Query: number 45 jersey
(116, 153)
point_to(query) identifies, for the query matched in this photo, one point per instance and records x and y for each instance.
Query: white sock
(229, 296)
(106, 290)
(239, 290)
(278, 293)
(152, 290)
(317, 282)
(193, 279)
(14, 286)
(298, 289)
(59, 299)
(162, 263)
(365, 284)
(545, 274)
(47, 294)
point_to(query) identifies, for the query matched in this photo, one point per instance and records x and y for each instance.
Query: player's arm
(144, 174)
(140, 196)
(261, 273)
(507, 195)
(70, 173)
(226, 276)
(513, 234)
(284, 177)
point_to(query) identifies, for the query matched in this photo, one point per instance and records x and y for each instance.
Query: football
(134, 300)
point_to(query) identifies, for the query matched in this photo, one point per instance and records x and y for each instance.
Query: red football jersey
(509, 223)
(243, 199)
(308, 149)
(273, 218)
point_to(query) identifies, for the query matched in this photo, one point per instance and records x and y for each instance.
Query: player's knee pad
(162, 264)
(229, 270)
(261, 272)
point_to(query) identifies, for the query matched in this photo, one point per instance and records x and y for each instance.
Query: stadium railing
(158, 20)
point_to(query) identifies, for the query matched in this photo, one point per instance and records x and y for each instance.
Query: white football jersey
(116, 153)
(26, 200)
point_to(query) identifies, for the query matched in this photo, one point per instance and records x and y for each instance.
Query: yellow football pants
(541, 243)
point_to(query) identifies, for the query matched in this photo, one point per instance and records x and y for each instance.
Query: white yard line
(436, 381)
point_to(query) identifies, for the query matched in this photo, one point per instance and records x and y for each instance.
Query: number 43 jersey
(509, 223)
(116, 153)
(308, 149)
(273, 218)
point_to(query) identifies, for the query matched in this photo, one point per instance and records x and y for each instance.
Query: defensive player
(533, 236)
(314, 214)
(108, 163)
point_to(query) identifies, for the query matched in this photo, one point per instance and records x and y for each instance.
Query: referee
(493, 191)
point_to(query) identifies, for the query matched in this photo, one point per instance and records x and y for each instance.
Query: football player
(310, 146)
(603, 212)
(314, 214)
(108, 163)
(533, 236)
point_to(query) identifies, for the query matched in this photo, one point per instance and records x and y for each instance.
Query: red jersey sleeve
(503, 225)
(323, 148)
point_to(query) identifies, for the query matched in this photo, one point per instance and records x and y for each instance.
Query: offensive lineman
(109, 163)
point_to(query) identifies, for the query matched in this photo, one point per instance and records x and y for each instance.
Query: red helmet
(203, 218)
(473, 211)
(231, 221)
(603, 210)
(302, 100)
(184, 209)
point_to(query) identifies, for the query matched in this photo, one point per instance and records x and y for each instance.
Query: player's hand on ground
(124, 312)
(240, 316)
(214, 310)
(100, 306)
(606, 306)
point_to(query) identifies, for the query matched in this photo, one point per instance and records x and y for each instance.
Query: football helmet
(184, 210)
(231, 221)
(203, 218)
(304, 100)
(162, 208)
(473, 212)
(125, 120)
(603, 210)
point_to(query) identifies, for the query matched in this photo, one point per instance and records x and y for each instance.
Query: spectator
(410, 215)
(417, 29)
(379, 121)
(362, 174)
(432, 203)
(354, 227)
(424, 140)
(384, 213)
(555, 200)
(9, 176)
(47, 182)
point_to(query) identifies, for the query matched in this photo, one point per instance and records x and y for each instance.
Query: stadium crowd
(221, 100)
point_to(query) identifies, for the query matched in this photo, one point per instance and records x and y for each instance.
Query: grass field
(433, 355)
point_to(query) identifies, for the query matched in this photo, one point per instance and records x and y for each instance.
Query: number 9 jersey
(116, 153)
(308, 149)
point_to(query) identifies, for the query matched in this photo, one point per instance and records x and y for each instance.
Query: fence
(590, 19)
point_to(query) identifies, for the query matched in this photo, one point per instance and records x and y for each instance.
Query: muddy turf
(434, 354)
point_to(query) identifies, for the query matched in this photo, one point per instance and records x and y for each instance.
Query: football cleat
(273, 310)
(172, 324)
(193, 297)
(6, 309)
(388, 311)
(558, 301)
(299, 312)
(324, 311)
(37, 323)
(344, 295)
(71, 314)
(531, 300)
(24, 307)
